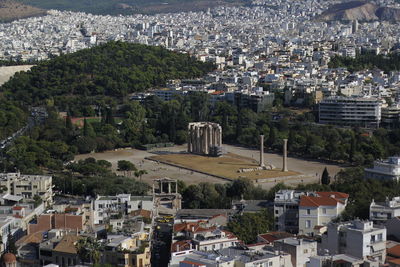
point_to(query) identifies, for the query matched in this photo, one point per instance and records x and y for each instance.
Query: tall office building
(350, 111)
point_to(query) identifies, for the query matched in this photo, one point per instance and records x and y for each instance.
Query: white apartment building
(388, 169)
(300, 249)
(232, 257)
(380, 212)
(286, 210)
(350, 111)
(339, 260)
(27, 186)
(210, 240)
(106, 206)
(356, 238)
(316, 211)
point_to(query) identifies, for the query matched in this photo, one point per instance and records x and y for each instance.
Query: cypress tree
(325, 179)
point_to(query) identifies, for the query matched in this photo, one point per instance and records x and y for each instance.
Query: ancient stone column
(284, 167)
(205, 140)
(197, 149)
(189, 148)
(262, 151)
(219, 136)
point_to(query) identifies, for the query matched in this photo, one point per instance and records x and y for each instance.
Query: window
(270, 263)
(100, 206)
(308, 211)
(323, 210)
(308, 224)
(305, 251)
(380, 237)
(277, 212)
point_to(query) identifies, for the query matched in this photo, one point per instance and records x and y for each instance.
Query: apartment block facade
(28, 186)
(350, 111)
(357, 238)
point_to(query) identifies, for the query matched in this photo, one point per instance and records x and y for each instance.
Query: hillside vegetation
(114, 69)
(387, 63)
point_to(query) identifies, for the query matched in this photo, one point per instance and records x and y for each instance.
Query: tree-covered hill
(114, 69)
(387, 63)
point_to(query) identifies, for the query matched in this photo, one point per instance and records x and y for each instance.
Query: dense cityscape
(264, 133)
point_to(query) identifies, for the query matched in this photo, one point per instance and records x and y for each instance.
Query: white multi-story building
(106, 206)
(339, 260)
(306, 212)
(356, 238)
(350, 111)
(300, 249)
(380, 212)
(286, 210)
(316, 211)
(388, 169)
(27, 186)
(232, 257)
(209, 240)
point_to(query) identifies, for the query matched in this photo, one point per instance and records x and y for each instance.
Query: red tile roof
(193, 263)
(396, 262)
(272, 236)
(229, 234)
(311, 201)
(333, 194)
(181, 245)
(193, 227)
(217, 93)
(394, 251)
(17, 208)
(257, 244)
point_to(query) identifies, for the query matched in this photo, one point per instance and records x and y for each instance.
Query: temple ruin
(205, 138)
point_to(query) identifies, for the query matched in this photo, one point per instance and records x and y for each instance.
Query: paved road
(162, 237)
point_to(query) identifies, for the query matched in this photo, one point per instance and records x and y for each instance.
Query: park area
(227, 166)
(310, 171)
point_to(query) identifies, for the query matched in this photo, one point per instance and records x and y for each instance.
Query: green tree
(89, 250)
(68, 123)
(140, 173)
(88, 129)
(37, 200)
(249, 225)
(11, 247)
(126, 166)
(272, 137)
(325, 178)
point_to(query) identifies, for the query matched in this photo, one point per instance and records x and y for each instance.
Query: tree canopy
(113, 69)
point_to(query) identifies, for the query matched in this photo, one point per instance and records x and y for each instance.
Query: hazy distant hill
(10, 10)
(113, 7)
(359, 10)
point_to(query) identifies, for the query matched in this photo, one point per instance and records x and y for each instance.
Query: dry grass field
(227, 166)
